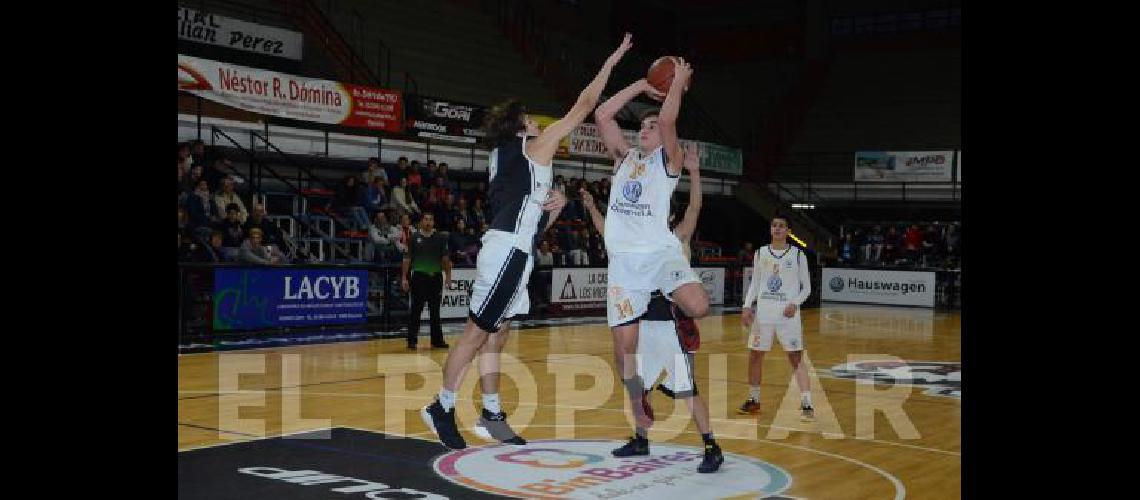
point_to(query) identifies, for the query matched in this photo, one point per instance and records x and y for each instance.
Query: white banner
(586, 140)
(578, 285)
(903, 166)
(233, 33)
(713, 279)
(456, 295)
(289, 96)
(875, 286)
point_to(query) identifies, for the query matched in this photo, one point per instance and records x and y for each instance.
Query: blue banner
(260, 298)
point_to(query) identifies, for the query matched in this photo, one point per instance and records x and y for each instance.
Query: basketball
(661, 73)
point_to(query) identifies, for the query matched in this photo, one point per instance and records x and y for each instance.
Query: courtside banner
(578, 285)
(266, 297)
(713, 280)
(875, 286)
(904, 166)
(456, 298)
(445, 119)
(586, 140)
(221, 31)
(289, 96)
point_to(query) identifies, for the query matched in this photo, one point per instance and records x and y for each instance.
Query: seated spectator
(190, 180)
(446, 213)
(464, 213)
(448, 182)
(430, 173)
(269, 230)
(932, 244)
(744, 257)
(216, 172)
(892, 244)
(544, 257)
(874, 245)
(347, 200)
(184, 223)
(462, 245)
(254, 252)
(228, 196)
(209, 251)
(576, 250)
(479, 211)
(374, 171)
(438, 190)
(402, 200)
(383, 236)
(405, 233)
(479, 192)
(415, 174)
(398, 171)
(232, 231)
(201, 207)
(377, 195)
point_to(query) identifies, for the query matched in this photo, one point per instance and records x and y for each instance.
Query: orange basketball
(661, 73)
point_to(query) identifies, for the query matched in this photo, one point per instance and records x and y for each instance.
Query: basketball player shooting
(644, 255)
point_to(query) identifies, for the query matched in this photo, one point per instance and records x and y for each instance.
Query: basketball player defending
(665, 340)
(643, 255)
(780, 284)
(523, 205)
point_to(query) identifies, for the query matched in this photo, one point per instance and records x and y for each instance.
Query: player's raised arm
(670, 109)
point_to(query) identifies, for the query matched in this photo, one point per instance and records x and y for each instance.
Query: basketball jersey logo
(638, 170)
(774, 281)
(631, 191)
(625, 309)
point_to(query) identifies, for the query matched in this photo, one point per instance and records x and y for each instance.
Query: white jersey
(638, 217)
(519, 187)
(779, 277)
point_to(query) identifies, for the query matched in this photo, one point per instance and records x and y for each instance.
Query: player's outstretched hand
(555, 200)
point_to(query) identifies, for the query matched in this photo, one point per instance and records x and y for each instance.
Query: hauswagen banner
(290, 96)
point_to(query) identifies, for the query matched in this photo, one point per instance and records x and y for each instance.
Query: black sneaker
(439, 345)
(442, 422)
(807, 413)
(635, 446)
(713, 459)
(494, 427)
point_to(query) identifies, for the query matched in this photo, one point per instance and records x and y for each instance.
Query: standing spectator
(227, 196)
(576, 250)
(203, 211)
(953, 241)
(875, 245)
(254, 252)
(184, 223)
(184, 154)
(931, 245)
(427, 256)
(465, 214)
(232, 231)
(462, 244)
(198, 153)
(744, 257)
(847, 250)
(402, 200)
(891, 245)
(544, 257)
(271, 234)
(348, 200)
(913, 243)
(216, 172)
(383, 236)
(430, 173)
(398, 171)
(374, 171)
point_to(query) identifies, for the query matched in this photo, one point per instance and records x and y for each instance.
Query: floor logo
(942, 378)
(585, 469)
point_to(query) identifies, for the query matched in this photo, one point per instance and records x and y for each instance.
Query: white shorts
(501, 275)
(659, 349)
(790, 333)
(632, 277)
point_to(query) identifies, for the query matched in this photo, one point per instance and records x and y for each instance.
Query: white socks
(446, 399)
(491, 403)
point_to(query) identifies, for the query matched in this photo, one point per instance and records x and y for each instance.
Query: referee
(427, 257)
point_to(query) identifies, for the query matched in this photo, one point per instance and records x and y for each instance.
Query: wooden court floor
(868, 441)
